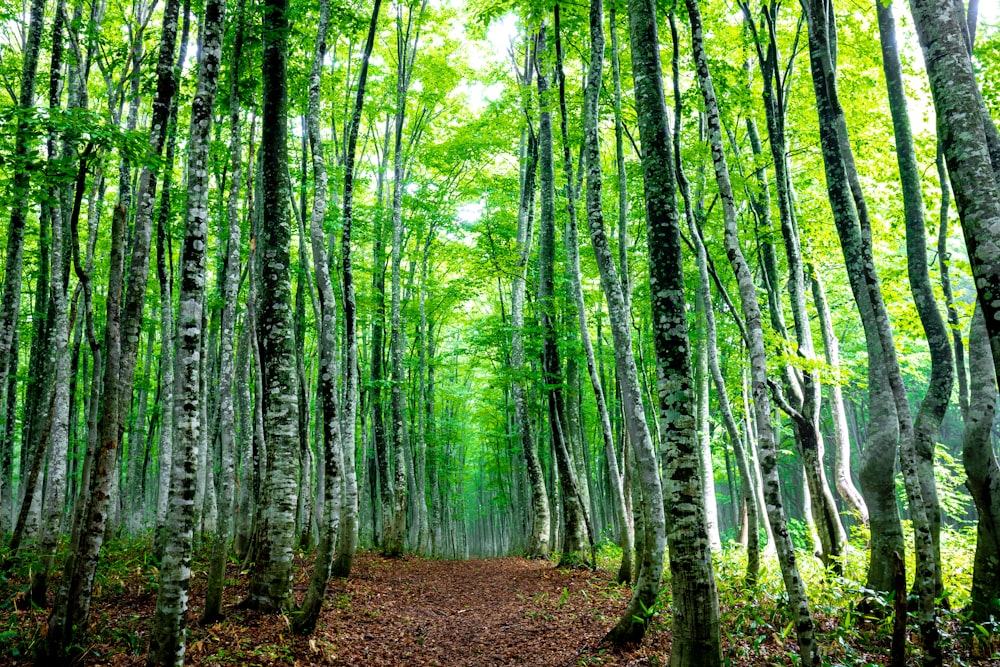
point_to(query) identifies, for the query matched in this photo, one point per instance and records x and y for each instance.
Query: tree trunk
(538, 536)
(164, 273)
(981, 466)
(854, 229)
(305, 620)
(650, 526)
(934, 405)
(270, 577)
(842, 453)
(72, 608)
(349, 523)
(227, 371)
(794, 585)
(169, 623)
(19, 191)
(59, 355)
(970, 145)
(406, 50)
(574, 542)
(802, 387)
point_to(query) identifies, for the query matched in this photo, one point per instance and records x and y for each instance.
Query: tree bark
(55, 483)
(970, 145)
(538, 536)
(167, 641)
(934, 405)
(794, 585)
(842, 453)
(19, 192)
(981, 466)
(71, 612)
(227, 370)
(854, 229)
(348, 543)
(270, 577)
(406, 53)
(650, 524)
(574, 541)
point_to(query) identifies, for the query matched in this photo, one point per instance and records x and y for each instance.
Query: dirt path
(482, 612)
(390, 613)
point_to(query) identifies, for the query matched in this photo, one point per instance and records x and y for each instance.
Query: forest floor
(426, 612)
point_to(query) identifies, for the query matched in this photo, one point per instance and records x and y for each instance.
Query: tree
(971, 146)
(14, 256)
(167, 640)
(225, 480)
(575, 539)
(794, 585)
(349, 525)
(850, 212)
(270, 582)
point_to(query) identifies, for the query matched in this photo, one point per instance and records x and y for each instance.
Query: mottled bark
(748, 476)
(167, 641)
(538, 535)
(270, 576)
(944, 265)
(19, 191)
(227, 364)
(981, 466)
(165, 277)
(842, 452)
(650, 522)
(794, 585)
(348, 541)
(305, 620)
(801, 381)
(854, 229)
(142, 228)
(406, 53)
(71, 612)
(572, 242)
(55, 480)
(927, 423)
(969, 140)
(574, 543)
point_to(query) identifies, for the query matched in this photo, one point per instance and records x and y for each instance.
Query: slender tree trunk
(794, 584)
(142, 229)
(165, 276)
(802, 387)
(59, 435)
(971, 147)
(227, 371)
(308, 615)
(574, 542)
(19, 192)
(383, 468)
(650, 525)
(349, 523)
(747, 478)
(854, 228)
(167, 641)
(406, 53)
(538, 536)
(927, 423)
(576, 293)
(842, 453)
(72, 608)
(944, 263)
(981, 466)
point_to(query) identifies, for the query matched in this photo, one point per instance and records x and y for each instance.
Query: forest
(499, 332)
